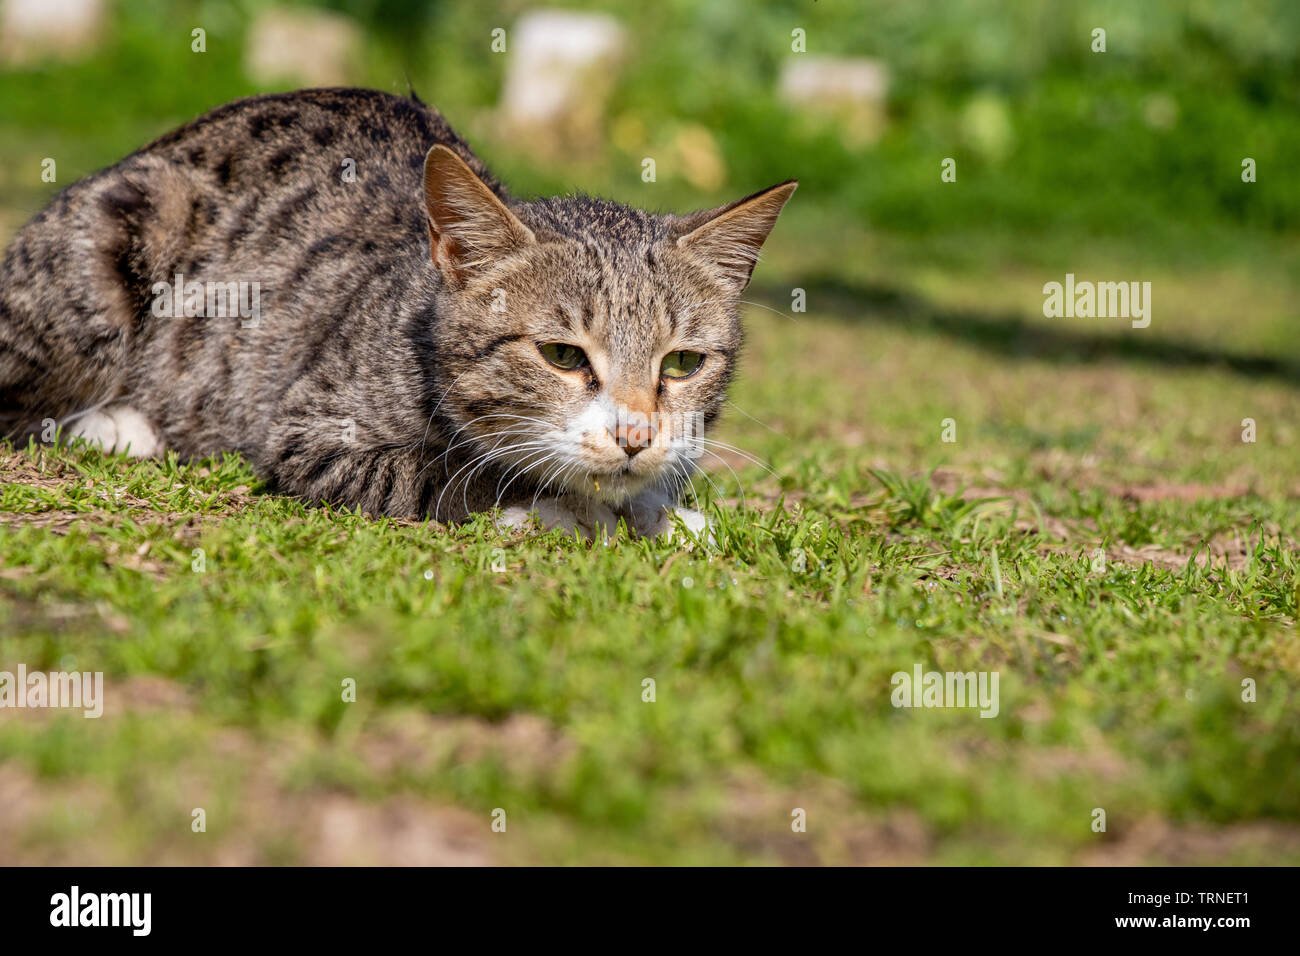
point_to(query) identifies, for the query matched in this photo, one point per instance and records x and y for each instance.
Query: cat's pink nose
(633, 438)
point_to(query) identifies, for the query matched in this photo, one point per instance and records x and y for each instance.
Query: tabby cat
(331, 284)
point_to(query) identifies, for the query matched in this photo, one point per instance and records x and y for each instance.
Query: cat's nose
(632, 438)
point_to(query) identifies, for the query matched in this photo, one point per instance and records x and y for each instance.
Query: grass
(1098, 535)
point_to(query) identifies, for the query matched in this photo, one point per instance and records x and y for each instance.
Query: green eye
(681, 364)
(564, 356)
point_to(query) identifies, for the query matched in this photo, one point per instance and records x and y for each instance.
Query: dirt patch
(1231, 550)
(759, 819)
(274, 822)
(1153, 840)
(146, 693)
(33, 807)
(143, 694)
(256, 813)
(1050, 762)
(1193, 492)
(50, 823)
(421, 743)
(342, 831)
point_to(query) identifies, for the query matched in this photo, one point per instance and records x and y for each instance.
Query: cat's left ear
(728, 238)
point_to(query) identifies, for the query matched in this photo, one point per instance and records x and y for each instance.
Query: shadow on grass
(1012, 335)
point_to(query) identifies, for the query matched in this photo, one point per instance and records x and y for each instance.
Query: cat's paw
(592, 520)
(697, 524)
(120, 429)
(652, 515)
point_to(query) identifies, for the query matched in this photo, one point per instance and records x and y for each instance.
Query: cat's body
(400, 298)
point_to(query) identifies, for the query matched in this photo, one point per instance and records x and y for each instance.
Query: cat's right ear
(469, 226)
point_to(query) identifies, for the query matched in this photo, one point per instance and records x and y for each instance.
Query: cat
(330, 283)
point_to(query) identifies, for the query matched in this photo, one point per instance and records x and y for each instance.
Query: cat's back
(261, 180)
(269, 143)
(312, 197)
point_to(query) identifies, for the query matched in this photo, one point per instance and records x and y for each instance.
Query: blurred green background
(1142, 144)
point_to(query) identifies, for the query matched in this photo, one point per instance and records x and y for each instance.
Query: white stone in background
(851, 89)
(31, 29)
(303, 47)
(809, 78)
(559, 70)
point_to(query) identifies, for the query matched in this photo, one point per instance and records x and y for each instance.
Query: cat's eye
(562, 355)
(681, 364)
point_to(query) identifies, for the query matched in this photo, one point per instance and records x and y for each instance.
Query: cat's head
(586, 345)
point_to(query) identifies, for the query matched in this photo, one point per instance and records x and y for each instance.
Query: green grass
(873, 547)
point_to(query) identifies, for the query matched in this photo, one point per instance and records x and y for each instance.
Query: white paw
(590, 519)
(651, 515)
(120, 429)
(690, 519)
(695, 522)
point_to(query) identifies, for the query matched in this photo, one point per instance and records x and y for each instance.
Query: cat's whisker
(452, 443)
(739, 484)
(704, 302)
(712, 484)
(523, 468)
(511, 471)
(552, 474)
(558, 477)
(681, 480)
(756, 420)
(740, 452)
(483, 418)
(531, 449)
(675, 483)
(455, 445)
(432, 414)
(496, 452)
(545, 484)
(520, 468)
(700, 447)
(433, 462)
(485, 457)
(761, 305)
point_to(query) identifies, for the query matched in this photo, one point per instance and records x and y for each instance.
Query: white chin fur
(610, 489)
